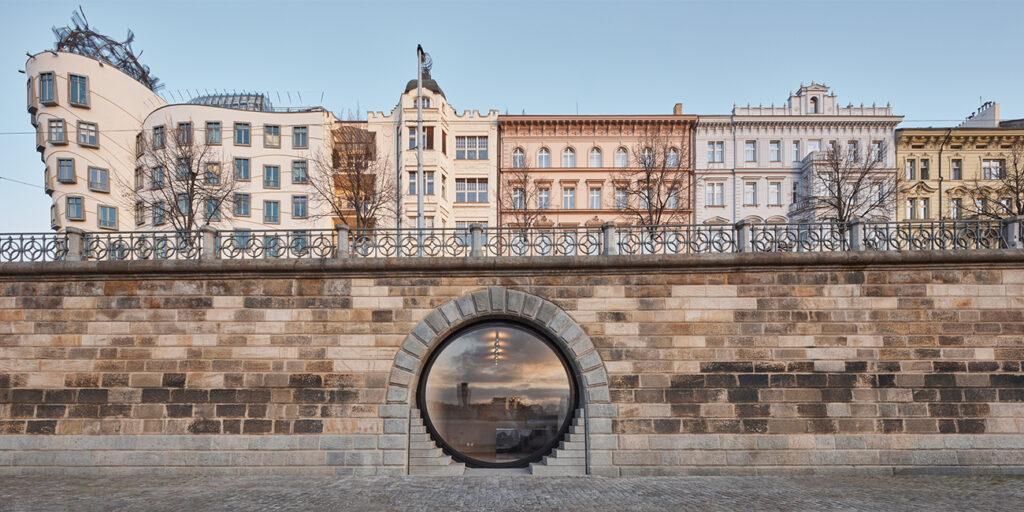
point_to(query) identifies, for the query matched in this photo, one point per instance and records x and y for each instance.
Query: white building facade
(749, 165)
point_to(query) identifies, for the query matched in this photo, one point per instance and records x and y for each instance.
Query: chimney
(677, 109)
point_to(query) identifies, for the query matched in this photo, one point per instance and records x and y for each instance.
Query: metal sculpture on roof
(80, 38)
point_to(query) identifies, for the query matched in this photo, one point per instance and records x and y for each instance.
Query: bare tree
(843, 185)
(180, 180)
(1000, 193)
(658, 184)
(352, 184)
(518, 200)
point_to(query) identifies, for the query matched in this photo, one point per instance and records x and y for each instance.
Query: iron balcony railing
(478, 241)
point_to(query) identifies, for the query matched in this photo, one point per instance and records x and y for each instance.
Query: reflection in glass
(497, 394)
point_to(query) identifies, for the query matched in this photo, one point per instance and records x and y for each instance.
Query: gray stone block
(497, 294)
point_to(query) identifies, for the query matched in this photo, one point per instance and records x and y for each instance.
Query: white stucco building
(750, 162)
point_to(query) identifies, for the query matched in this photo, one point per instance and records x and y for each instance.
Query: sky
(933, 60)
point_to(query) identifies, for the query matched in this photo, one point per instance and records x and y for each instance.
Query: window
(140, 213)
(158, 137)
(75, 208)
(813, 145)
(672, 159)
(66, 170)
(594, 202)
(714, 194)
(518, 198)
(568, 198)
(159, 215)
(271, 136)
(833, 146)
(99, 179)
(470, 148)
(621, 158)
(814, 105)
(211, 176)
(774, 193)
(673, 198)
(428, 183)
(925, 171)
(158, 178)
(300, 171)
(911, 169)
(957, 171)
(272, 212)
(925, 213)
(956, 208)
(716, 151)
(518, 158)
(568, 158)
(300, 207)
(184, 134)
(543, 198)
(300, 137)
(78, 90)
(621, 198)
(140, 145)
(271, 176)
(444, 186)
(750, 151)
(647, 158)
(796, 151)
(88, 134)
(427, 139)
(213, 135)
(471, 190)
(876, 151)
(775, 151)
(543, 158)
(595, 159)
(992, 169)
(47, 91)
(853, 151)
(57, 131)
(912, 208)
(242, 172)
(750, 193)
(211, 211)
(422, 102)
(107, 216)
(184, 170)
(243, 134)
(184, 204)
(242, 204)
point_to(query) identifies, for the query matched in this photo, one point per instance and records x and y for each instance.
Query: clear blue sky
(931, 59)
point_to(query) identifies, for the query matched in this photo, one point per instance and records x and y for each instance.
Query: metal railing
(478, 241)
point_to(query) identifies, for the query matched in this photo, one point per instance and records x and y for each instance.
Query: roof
(428, 83)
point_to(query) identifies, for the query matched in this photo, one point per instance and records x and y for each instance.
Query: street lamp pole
(420, 59)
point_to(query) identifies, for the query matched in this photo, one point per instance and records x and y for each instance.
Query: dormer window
(422, 101)
(814, 105)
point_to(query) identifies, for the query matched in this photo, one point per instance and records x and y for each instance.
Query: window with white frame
(621, 198)
(750, 193)
(518, 158)
(543, 158)
(595, 158)
(956, 208)
(300, 137)
(543, 198)
(470, 190)
(992, 169)
(107, 216)
(925, 169)
(428, 183)
(672, 202)
(775, 151)
(471, 148)
(271, 176)
(79, 90)
(876, 151)
(714, 194)
(775, 193)
(912, 208)
(621, 158)
(99, 179)
(594, 198)
(853, 150)
(956, 171)
(300, 207)
(813, 145)
(243, 134)
(242, 170)
(911, 170)
(795, 151)
(750, 151)
(88, 134)
(716, 151)
(272, 212)
(518, 198)
(925, 210)
(568, 157)
(57, 131)
(672, 158)
(568, 198)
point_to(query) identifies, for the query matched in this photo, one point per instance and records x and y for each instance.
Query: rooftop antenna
(289, 93)
(300, 96)
(278, 93)
(321, 98)
(577, 108)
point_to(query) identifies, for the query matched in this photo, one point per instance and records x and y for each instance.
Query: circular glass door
(497, 395)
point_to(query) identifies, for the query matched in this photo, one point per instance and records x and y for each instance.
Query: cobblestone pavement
(492, 493)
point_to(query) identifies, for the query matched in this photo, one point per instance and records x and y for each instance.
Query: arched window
(814, 105)
(518, 158)
(568, 157)
(672, 159)
(621, 157)
(543, 158)
(647, 157)
(596, 159)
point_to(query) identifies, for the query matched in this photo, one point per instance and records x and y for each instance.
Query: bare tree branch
(519, 198)
(352, 184)
(658, 184)
(999, 194)
(847, 184)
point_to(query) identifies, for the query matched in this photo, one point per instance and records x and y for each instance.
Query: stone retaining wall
(713, 364)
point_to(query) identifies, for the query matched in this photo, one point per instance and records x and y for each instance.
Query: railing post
(76, 244)
(855, 233)
(1014, 236)
(476, 240)
(208, 243)
(342, 249)
(609, 239)
(742, 236)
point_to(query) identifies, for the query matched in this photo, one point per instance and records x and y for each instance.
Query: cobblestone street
(511, 494)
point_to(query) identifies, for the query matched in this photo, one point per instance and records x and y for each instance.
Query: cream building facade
(751, 164)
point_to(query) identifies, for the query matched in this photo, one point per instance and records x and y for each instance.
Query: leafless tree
(842, 185)
(353, 184)
(658, 184)
(1000, 194)
(180, 181)
(518, 200)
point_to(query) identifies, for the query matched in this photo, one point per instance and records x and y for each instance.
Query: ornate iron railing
(676, 239)
(33, 247)
(151, 245)
(935, 235)
(809, 237)
(295, 244)
(477, 241)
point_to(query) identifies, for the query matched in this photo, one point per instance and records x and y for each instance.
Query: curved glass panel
(497, 394)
